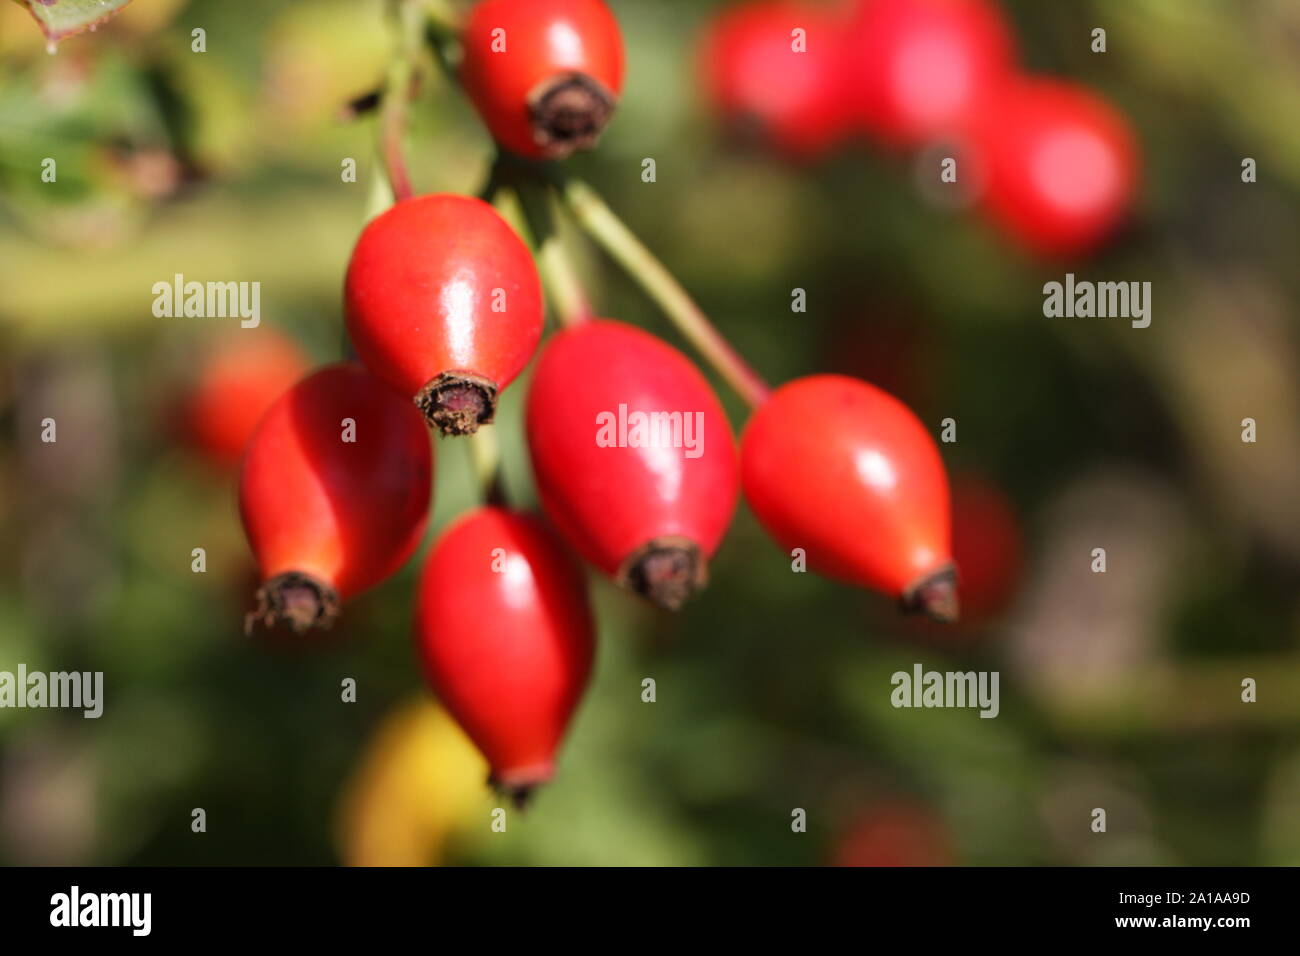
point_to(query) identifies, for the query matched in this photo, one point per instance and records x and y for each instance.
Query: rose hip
(846, 472)
(334, 492)
(444, 303)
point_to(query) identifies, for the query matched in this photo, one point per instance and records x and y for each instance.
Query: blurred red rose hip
(237, 382)
(988, 548)
(1057, 166)
(919, 68)
(777, 69)
(895, 833)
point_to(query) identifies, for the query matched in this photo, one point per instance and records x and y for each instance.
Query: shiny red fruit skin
(919, 68)
(1057, 166)
(348, 514)
(507, 650)
(544, 40)
(845, 471)
(237, 382)
(609, 501)
(421, 289)
(752, 74)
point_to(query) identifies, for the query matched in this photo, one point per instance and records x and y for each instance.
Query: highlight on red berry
(919, 68)
(443, 302)
(238, 380)
(1052, 164)
(544, 76)
(633, 455)
(334, 493)
(777, 70)
(505, 634)
(1057, 166)
(847, 473)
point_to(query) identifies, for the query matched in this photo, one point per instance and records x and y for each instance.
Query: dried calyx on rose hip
(634, 457)
(505, 634)
(334, 493)
(545, 75)
(443, 302)
(846, 472)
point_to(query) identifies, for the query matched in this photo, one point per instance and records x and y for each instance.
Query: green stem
(485, 452)
(523, 201)
(506, 201)
(442, 16)
(408, 18)
(380, 196)
(560, 279)
(658, 283)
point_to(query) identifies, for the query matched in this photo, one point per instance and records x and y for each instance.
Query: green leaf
(63, 18)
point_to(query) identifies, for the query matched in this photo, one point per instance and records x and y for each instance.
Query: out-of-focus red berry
(987, 547)
(779, 67)
(918, 68)
(1056, 166)
(237, 382)
(895, 834)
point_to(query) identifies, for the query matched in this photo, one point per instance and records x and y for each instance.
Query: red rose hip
(1057, 166)
(919, 68)
(444, 303)
(780, 67)
(633, 455)
(545, 76)
(505, 634)
(334, 492)
(845, 471)
(238, 381)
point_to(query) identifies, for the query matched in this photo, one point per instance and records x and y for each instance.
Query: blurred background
(1119, 690)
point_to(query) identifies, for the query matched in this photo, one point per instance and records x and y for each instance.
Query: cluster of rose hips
(1048, 161)
(444, 308)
